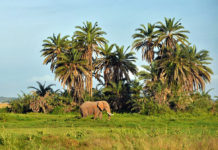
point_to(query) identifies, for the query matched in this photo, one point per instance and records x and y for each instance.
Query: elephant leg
(100, 115)
(95, 115)
(84, 114)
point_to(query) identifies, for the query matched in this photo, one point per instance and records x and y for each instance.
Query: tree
(186, 68)
(71, 70)
(53, 46)
(105, 63)
(123, 64)
(89, 37)
(145, 40)
(171, 33)
(42, 90)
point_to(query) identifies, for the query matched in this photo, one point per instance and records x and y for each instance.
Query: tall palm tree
(123, 64)
(170, 33)
(70, 70)
(42, 90)
(90, 37)
(105, 62)
(186, 68)
(145, 40)
(52, 47)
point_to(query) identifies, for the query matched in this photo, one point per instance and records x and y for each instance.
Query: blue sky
(26, 23)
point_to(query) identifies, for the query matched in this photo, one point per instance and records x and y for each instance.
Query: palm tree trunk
(90, 67)
(91, 83)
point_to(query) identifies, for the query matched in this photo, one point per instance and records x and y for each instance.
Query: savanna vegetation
(165, 105)
(124, 131)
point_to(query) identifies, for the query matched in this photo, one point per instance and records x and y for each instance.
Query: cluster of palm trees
(73, 62)
(173, 63)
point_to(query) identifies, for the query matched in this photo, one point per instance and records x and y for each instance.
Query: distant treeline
(6, 99)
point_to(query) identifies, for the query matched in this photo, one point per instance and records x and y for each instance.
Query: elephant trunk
(109, 112)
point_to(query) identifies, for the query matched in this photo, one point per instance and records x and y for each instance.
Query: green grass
(123, 131)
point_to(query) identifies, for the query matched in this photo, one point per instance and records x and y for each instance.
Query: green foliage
(175, 70)
(118, 94)
(150, 107)
(176, 64)
(58, 110)
(214, 109)
(21, 104)
(3, 117)
(42, 90)
(4, 110)
(123, 131)
(33, 102)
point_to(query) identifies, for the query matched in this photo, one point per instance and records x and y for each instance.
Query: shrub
(214, 108)
(201, 103)
(151, 107)
(58, 110)
(21, 104)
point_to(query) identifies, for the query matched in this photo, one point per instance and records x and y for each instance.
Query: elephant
(95, 108)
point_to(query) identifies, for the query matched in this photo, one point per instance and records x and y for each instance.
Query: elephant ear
(100, 106)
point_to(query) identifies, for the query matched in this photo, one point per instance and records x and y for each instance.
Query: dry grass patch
(4, 105)
(54, 141)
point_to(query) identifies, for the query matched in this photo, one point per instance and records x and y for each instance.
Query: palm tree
(53, 46)
(170, 33)
(186, 68)
(42, 90)
(90, 37)
(70, 70)
(201, 72)
(145, 40)
(123, 64)
(105, 63)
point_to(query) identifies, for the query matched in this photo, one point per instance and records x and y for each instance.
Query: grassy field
(123, 131)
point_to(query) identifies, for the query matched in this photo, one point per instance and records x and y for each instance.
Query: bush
(64, 109)
(150, 107)
(201, 103)
(21, 104)
(33, 102)
(214, 108)
(58, 110)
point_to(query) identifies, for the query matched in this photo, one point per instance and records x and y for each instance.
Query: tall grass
(123, 131)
